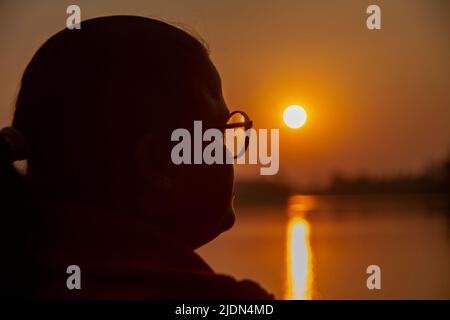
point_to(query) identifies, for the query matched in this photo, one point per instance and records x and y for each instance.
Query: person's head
(97, 107)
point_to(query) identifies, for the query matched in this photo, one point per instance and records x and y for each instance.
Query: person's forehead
(213, 86)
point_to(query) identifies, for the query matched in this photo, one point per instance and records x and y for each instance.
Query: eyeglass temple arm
(247, 124)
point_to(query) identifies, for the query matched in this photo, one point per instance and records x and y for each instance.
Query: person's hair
(15, 221)
(85, 98)
(88, 94)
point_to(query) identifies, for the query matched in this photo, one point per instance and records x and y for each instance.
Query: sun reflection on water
(298, 253)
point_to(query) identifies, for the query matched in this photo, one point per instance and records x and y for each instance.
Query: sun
(294, 116)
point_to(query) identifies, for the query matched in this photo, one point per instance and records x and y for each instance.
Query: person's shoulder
(220, 286)
(176, 284)
(248, 289)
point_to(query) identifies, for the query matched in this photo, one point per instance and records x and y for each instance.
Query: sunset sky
(378, 102)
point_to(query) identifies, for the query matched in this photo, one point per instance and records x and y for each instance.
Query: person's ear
(150, 160)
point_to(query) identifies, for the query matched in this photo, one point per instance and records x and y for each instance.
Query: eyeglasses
(236, 130)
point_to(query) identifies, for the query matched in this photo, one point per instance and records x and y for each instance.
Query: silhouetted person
(96, 109)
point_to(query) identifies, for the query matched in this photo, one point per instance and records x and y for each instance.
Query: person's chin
(228, 220)
(226, 223)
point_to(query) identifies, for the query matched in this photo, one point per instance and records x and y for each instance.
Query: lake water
(319, 247)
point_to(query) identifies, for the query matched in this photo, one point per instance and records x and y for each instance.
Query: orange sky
(377, 101)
